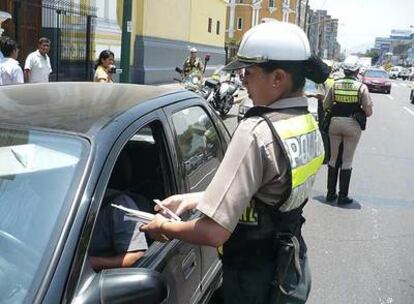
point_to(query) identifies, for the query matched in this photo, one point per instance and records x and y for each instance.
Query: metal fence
(70, 27)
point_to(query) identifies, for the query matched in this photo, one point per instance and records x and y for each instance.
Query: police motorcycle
(224, 87)
(193, 81)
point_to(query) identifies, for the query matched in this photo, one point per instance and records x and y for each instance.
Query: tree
(374, 54)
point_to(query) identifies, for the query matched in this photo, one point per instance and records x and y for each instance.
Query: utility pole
(126, 40)
(306, 27)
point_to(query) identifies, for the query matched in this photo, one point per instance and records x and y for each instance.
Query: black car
(59, 145)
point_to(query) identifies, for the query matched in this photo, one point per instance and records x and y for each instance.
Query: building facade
(162, 36)
(244, 14)
(322, 32)
(398, 46)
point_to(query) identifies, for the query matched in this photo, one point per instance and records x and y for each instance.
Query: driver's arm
(120, 261)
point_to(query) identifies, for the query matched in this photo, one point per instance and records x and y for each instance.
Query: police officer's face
(193, 55)
(259, 84)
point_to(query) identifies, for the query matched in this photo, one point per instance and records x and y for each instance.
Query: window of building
(272, 3)
(241, 1)
(218, 28)
(210, 22)
(239, 24)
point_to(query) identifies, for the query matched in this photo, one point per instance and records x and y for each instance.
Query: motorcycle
(223, 91)
(192, 81)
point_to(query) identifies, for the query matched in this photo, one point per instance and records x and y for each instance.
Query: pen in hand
(167, 211)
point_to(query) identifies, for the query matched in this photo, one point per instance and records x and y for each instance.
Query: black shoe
(331, 185)
(344, 200)
(331, 197)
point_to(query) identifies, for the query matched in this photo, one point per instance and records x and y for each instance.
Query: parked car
(310, 88)
(393, 73)
(377, 80)
(59, 143)
(404, 74)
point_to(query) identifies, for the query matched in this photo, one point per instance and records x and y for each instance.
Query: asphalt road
(364, 253)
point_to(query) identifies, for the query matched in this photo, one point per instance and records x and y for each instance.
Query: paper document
(143, 217)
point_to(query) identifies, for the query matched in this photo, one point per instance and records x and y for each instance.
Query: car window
(376, 74)
(37, 172)
(199, 146)
(140, 174)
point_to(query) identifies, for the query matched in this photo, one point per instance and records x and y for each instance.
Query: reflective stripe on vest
(347, 91)
(304, 146)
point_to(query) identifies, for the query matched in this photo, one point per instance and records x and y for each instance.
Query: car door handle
(189, 264)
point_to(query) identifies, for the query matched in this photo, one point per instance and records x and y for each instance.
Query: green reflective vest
(346, 90)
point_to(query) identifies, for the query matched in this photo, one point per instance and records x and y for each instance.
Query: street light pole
(126, 40)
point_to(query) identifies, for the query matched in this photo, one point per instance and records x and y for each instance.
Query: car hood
(376, 80)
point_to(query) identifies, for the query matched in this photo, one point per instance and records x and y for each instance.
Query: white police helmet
(351, 63)
(193, 50)
(271, 41)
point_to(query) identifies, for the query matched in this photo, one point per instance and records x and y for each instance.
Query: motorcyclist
(193, 63)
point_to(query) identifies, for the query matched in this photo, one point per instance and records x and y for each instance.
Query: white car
(393, 73)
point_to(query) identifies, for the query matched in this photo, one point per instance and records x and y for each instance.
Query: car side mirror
(126, 285)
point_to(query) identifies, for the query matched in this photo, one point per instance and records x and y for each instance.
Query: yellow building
(164, 30)
(244, 14)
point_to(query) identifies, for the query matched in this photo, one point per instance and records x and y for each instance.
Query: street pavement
(364, 253)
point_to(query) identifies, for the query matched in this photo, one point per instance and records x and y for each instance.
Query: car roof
(75, 106)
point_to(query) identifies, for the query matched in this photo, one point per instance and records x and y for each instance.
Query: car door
(200, 148)
(179, 263)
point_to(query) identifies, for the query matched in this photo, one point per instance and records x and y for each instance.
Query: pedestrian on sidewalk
(348, 103)
(254, 203)
(104, 67)
(10, 70)
(37, 67)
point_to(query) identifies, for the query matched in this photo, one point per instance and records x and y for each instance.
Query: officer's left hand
(153, 228)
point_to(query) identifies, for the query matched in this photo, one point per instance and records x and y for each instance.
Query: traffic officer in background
(192, 63)
(254, 203)
(348, 103)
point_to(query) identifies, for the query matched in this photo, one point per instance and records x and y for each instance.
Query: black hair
(313, 68)
(349, 73)
(8, 46)
(102, 56)
(44, 40)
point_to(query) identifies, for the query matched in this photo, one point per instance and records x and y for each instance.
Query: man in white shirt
(37, 67)
(10, 70)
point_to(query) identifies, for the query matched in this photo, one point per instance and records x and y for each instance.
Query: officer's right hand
(181, 203)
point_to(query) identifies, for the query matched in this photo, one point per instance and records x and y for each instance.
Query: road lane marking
(396, 85)
(409, 111)
(390, 97)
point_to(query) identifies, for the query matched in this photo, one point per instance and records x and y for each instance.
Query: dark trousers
(247, 280)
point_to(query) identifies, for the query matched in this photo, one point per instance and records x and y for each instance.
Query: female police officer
(254, 203)
(346, 98)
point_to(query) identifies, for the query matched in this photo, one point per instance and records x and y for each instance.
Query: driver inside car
(117, 241)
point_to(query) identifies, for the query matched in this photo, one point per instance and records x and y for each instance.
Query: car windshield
(376, 74)
(37, 171)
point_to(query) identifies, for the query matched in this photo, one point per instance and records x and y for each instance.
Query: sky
(360, 21)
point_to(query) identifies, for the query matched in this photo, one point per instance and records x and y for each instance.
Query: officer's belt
(263, 239)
